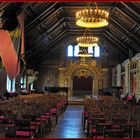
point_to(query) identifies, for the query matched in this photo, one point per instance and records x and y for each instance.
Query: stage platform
(75, 100)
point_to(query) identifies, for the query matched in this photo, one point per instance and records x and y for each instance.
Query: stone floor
(69, 124)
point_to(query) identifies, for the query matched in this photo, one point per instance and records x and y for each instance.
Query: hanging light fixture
(92, 18)
(86, 41)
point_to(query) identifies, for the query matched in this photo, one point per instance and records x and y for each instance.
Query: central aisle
(69, 124)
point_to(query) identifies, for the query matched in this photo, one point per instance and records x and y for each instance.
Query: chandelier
(86, 41)
(92, 18)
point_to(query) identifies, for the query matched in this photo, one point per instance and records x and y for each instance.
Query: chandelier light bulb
(86, 41)
(92, 18)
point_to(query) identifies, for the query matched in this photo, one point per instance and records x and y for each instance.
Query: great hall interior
(70, 69)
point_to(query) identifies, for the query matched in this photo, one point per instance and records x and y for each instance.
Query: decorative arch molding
(93, 71)
(82, 72)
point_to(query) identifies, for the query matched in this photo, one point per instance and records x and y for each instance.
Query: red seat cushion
(48, 113)
(37, 123)
(93, 131)
(1, 117)
(34, 127)
(100, 137)
(85, 113)
(45, 117)
(24, 133)
(59, 105)
(116, 126)
(53, 110)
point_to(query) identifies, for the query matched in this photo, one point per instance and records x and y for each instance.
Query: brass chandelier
(86, 41)
(92, 18)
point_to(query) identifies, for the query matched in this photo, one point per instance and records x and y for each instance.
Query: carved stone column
(113, 77)
(95, 87)
(127, 77)
(138, 80)
(119, 75)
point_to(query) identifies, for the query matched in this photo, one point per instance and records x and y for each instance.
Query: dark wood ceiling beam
(4, 5)
(130, 10)
(48, 18)
(121, 50)
(41, 22)
(47, 31)
(41, 55)
(135, 5)
(73, 38)
(39, 16)
(111, 47)
(117, 40)
(126, 39)
(75, 32)
(41, 48)
(68, 19)
(128, 33)
(55, 47)
(71, 32)
(61, 23)
(49, 48)
(135, 26)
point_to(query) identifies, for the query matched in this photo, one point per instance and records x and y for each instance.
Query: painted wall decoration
(83, 68)
(130, 76)
(134, 85)
(50, 79)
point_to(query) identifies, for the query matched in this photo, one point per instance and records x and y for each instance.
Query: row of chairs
(37, 122)
(110, 117)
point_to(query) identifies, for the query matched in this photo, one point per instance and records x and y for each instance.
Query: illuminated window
(76, 50)
(97, 51)
(90, 49)
(70, 50)
(8, 85)
(23, 82)
(13, 85)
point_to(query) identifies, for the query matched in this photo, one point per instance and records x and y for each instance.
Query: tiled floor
(69, 124)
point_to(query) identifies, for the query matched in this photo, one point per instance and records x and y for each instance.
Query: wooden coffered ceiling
(50, 27)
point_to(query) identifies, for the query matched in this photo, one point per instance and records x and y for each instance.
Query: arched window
(13, 85)
(76, 50)
(90, 49)
(70, 51)
(8, 85)
(97, 51)
(23, 82)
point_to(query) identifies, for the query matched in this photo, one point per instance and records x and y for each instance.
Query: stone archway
(82, 86)
(81, 69)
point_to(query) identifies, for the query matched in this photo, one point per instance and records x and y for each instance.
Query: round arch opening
(82, 86)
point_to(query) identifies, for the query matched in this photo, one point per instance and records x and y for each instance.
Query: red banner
(8, 54)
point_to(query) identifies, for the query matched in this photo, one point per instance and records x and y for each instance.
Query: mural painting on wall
(82, 72)
(63, 80)
(83, 67)
(93, 63)
(50, 79)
